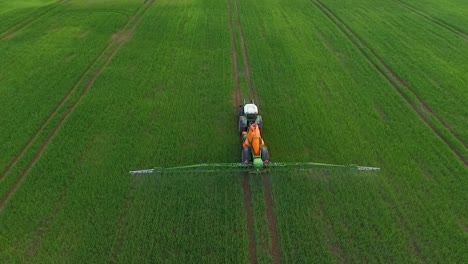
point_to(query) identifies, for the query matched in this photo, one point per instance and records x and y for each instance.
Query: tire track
(69, 93)
(275, 245)
(234, 58)
(23, 24)
(434, 20)
(51, 115)
(249, 215)
(48, 223)
(275, 249)
(120, 41)
(421, 108)
(247, 193)
(401, 220)
(44, 227)
(122, 224)
(245, 56)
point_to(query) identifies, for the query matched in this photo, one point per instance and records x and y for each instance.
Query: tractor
(254, 152)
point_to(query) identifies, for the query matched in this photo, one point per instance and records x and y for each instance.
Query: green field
(90, 90)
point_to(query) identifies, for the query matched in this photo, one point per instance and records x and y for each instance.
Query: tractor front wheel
(265, 155)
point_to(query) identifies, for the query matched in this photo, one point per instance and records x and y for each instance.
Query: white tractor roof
(250, 109)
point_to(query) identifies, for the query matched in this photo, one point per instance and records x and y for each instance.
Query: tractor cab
(248, 114)
(251, 112)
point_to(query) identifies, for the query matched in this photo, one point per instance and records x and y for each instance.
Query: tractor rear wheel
(265, 155)
(246, 157)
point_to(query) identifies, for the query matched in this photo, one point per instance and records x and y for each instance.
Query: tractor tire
(246, 157)
(241, 110)
(265, 155)
(242, 124)
(259, 122)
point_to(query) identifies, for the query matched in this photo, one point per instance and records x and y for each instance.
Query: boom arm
(214, 167)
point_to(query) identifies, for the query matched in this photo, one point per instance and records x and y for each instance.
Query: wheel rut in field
(98, 65)
(41, 232)
(248, 73)
(401, 219)
(48, 222)
(246, 192)
(9, 33)
(52, 114)
(122, 225)
(275, 246)
(421, 108)
(237, 92)
(434, 20)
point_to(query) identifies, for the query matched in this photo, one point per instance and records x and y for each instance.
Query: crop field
(90, 90)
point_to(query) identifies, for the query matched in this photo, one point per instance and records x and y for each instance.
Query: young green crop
(323, 100)
(168, 105)
(42, 63)
(165, 98)
(450, 12)
(435, 72)
(16, 13)
(184, 218)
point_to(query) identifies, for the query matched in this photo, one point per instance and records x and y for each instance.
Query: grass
(162, 95)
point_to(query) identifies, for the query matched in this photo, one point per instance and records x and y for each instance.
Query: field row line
(101, 61)
(273, 230)
(44, 227)
(252, 93)
(275, 248)
(123, 221)
(28, 21)
(425, 113)
(234, 58)
(437, 21)
(402, 220)
(247, 193)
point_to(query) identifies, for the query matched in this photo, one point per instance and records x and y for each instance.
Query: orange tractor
(254, 152)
